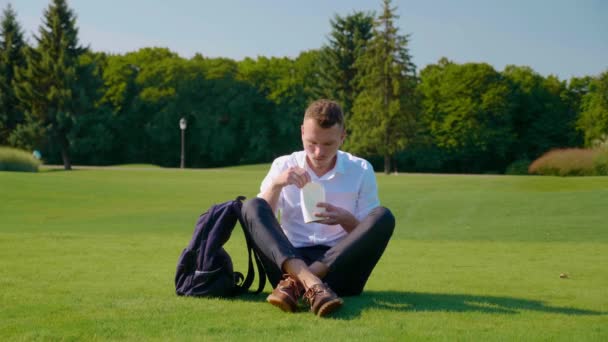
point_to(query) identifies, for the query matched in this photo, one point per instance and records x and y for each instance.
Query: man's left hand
(336, 215)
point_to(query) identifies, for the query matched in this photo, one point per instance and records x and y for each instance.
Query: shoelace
(312, 293)
(291, 284)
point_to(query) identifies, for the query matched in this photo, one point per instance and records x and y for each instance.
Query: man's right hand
(293, 176)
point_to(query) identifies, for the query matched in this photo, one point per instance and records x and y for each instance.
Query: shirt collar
(338, 168)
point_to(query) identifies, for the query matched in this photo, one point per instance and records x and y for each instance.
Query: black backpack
(204, 268)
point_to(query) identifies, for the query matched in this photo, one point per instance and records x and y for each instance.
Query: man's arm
(336, 215)
(293, 175)
(271, 195)
(367, 200)
(368, 193)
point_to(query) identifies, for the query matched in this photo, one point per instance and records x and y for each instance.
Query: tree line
(86, 107)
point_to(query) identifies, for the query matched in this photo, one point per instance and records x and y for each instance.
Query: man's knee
(253, 206)
(257, 214)
(384, 221)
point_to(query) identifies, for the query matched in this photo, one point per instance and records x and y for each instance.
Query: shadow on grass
(423, 302)
(45, 170)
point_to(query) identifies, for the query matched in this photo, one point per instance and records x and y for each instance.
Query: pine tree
(384, 112)
(49, 85)
(12, 56)
(337, 70)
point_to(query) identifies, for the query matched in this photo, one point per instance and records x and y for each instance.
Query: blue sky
(561, 37)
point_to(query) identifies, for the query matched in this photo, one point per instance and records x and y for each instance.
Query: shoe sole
(280, 303)
(330, 307)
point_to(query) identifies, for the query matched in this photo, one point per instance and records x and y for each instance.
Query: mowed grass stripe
(451, 207)
(80, 285)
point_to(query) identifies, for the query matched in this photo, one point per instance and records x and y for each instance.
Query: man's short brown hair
(326, 112)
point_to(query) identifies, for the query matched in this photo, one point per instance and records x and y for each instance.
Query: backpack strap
(250, 272)
(261, 273)
(247, 282)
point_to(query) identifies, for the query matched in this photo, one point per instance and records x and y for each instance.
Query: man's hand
(336, 215)
(294, 175)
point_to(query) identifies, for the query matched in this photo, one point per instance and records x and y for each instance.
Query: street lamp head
(182, 124)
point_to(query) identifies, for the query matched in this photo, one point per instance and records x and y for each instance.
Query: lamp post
(182, 127)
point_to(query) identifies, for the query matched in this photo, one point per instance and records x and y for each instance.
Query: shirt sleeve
(278, 166)
(368, 193)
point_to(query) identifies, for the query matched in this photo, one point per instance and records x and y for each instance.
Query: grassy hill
(90, 255)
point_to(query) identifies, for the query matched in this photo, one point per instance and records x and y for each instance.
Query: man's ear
(302, 130)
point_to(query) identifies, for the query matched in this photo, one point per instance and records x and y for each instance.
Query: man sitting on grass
(340, 250)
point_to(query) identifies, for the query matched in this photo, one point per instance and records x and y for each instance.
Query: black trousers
(350, 262)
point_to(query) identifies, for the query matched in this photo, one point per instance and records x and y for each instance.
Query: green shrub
(12, 159)
(518, 167)
(601, 162)
(601, 142)
(566, 162)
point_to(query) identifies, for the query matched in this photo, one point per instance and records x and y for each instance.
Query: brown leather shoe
(285, 296)
(322, 300)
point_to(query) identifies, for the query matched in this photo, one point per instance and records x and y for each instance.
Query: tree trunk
(65, 153)
(387, 164)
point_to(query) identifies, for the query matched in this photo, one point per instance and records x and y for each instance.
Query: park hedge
(12, 159)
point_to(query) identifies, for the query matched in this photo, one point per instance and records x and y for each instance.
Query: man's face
(321, 144)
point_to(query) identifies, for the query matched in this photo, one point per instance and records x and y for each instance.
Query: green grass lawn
(91, 254)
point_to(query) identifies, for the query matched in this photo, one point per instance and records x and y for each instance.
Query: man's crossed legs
(316, 272)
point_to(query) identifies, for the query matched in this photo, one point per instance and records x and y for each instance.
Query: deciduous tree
(593, 120)
(542, 116)
(466, 111)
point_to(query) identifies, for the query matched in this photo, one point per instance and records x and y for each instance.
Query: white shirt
(350, 185)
